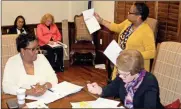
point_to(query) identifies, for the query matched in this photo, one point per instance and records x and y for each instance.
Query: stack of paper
(58, 91)
(90, 21)
(112, 51)
(99, 103)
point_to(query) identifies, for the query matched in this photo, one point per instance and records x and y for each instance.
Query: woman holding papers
(19, 26)
(134, 33)
(28, 69)
(49, 38)
(135, 87)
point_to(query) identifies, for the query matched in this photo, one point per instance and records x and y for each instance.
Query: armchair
(83, 42)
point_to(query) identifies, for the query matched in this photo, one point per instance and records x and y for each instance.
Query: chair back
(82, 32)
(167, 69)
(8, 50)
(153, 25)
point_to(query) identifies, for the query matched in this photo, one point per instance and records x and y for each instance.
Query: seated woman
(135, 87)
(28, 68)
(48, 34)
(19, 26)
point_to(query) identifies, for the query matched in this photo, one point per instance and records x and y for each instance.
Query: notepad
(112, 51)
(59, 91)
(90, 21)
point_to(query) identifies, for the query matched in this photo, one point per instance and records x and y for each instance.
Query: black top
(146, 96)
(13, 30)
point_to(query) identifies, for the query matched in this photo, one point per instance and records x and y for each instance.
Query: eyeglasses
(33, 49)
(135, 13)
(123, 75)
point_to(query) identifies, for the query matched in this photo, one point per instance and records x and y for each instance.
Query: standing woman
(48, 34)
(19, 26)
(134, 33)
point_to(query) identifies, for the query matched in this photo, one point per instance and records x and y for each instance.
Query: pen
(50, 90)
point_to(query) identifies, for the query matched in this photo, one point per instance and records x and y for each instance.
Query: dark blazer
(146, 96)
(13, 30)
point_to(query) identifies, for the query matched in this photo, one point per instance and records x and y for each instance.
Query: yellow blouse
(142, 39)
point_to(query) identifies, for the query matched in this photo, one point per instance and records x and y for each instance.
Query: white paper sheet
(90, 21)
(55, 45)
(99, 103)
(36, 104)
(59, 91)
(100, 66)
(112, 51)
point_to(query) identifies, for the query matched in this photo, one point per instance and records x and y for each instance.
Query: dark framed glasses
(33, 49)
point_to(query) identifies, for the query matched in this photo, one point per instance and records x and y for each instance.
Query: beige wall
(34, 10)
(105, 9)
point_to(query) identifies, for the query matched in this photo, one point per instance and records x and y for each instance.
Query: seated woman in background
(28, 68)
(135, 87)
(19, 26)
(48, 34)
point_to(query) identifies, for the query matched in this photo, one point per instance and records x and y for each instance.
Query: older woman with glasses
(134, 33)
(28, 69)
(135, 87)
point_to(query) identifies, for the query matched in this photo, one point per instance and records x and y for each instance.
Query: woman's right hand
(99, 19)
(94, 88)
(36, 91)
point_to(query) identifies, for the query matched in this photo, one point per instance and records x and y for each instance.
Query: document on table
(36, 104)
(112, 51)
(58, 91)
(99, 103)
(100, 66)
(90, 21)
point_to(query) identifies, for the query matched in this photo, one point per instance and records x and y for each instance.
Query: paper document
(58, 91)
(100, 66)
(55, 45)
(99, 103)
(112, 51)
(90, 21)
(36, 104)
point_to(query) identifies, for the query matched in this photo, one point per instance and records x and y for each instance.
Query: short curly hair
(23, 40)
(142, 9)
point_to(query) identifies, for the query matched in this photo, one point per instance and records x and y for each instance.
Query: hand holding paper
(90, 21)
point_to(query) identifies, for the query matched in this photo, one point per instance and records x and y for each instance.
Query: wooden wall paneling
(119, 13)
(151, 5)
(168, 20)
(162, 20)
